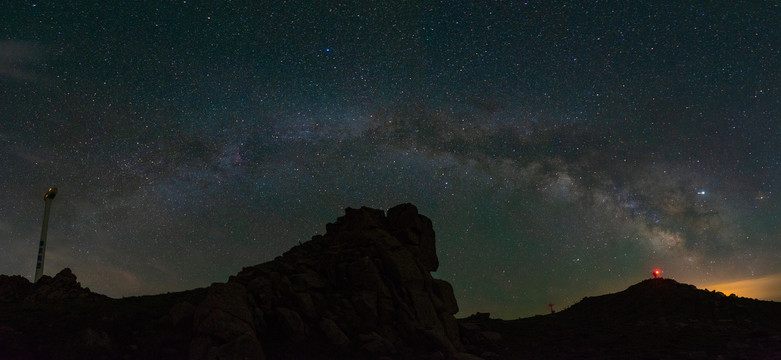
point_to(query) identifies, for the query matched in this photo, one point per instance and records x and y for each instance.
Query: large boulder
(362, 290)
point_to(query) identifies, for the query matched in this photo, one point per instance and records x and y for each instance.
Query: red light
(656, 273)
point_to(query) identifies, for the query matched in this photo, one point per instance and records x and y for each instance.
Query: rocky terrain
(364, 290)
(62, 287)
(56, 318)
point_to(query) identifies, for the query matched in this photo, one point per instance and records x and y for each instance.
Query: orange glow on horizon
(764, 288)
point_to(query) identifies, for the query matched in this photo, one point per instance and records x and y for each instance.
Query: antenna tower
(47, 198)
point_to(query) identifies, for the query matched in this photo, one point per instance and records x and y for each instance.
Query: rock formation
(62, 287)
(362, 291)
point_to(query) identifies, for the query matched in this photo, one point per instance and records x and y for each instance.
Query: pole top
(50, 194)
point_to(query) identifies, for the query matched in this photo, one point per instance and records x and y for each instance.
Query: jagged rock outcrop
(363, 290)
(61, 287)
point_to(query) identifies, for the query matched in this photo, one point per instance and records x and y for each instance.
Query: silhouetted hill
(654, 319)
(56, 318)
(667, 301)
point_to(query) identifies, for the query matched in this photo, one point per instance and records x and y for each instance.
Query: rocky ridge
(362, 290)
(61, 287)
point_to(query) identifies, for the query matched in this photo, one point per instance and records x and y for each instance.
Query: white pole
(42, 245)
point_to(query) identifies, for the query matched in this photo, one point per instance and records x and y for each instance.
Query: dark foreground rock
(363, 290)
(56, 318)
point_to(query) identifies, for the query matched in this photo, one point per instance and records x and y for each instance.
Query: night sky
(561, 149)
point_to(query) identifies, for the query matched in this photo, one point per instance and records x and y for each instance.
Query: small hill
(654, 319)
(56, 318)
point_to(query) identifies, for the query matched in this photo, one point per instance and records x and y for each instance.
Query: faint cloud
(16, 59)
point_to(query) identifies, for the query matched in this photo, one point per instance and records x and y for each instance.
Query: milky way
(561, 149)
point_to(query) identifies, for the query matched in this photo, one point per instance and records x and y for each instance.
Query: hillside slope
(656, 318)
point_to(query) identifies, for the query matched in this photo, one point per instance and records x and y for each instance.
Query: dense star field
(561, 149)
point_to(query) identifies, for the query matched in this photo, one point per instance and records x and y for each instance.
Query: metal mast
(48, 197)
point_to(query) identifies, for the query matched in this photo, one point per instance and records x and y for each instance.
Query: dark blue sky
(562, 149)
